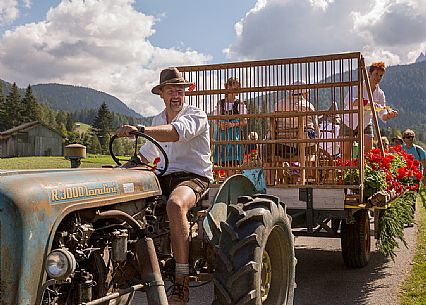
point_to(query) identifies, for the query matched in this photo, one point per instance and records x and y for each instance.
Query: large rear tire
(356, 240)
(255, 261)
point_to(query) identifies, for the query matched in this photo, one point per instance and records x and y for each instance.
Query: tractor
(96, 236)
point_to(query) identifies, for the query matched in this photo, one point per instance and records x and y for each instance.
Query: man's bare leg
(180, 201)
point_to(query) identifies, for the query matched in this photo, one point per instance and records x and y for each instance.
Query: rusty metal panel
(282, 114)
(33, 203)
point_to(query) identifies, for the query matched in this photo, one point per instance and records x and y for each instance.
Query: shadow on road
(323, 278)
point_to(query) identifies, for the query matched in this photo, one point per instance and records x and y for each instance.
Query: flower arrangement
(251, 159)
(218, 175)
(395, 174)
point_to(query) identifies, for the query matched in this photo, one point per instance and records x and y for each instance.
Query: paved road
(322, 278)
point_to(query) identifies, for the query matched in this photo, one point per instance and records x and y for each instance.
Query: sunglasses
(408, 137)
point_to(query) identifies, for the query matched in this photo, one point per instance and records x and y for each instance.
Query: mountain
(405, 90)
(73, 98)
(422, 57)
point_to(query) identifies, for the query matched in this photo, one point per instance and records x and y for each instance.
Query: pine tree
(102, 124)
(70, 123)
(3, 116)
(31, 109)
(13, 108)
(94, 145)
(61, 118)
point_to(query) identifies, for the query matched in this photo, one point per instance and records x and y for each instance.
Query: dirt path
(323, 279)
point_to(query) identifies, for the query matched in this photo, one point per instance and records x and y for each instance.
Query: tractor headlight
(60, 264)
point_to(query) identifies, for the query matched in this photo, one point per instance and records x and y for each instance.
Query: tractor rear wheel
(255, 261)
(356, 240)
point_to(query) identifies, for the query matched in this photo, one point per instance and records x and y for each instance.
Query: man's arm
(161, 133)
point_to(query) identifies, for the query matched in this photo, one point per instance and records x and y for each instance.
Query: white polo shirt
(378, 98)
(191, 153)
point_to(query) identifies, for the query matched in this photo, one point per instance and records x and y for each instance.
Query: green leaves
(391, 223)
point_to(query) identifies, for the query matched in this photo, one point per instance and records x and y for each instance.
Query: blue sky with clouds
(119, 46)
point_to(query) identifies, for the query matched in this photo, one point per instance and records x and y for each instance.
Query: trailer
(285, 117)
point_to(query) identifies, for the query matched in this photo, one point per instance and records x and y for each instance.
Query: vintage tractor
(95, 236)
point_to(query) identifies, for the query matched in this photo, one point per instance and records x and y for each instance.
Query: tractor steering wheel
(135, 158)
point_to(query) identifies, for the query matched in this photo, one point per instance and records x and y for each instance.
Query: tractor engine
(93, 252)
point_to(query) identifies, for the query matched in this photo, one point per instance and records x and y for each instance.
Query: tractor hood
(32, 204)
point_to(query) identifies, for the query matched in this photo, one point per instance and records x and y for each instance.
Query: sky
(120, 46)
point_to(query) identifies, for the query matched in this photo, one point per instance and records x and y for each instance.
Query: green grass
(82, 128)
(53, 162)
(414, 287)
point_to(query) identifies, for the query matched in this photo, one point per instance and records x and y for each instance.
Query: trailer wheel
(356, 240)
(255, 261)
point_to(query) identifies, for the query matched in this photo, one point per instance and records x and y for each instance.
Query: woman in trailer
(229, 155)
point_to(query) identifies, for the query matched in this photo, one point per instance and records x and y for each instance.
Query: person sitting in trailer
(229, 155)
(288, 127)
(284, 154)
(385, 142)
(350, 126)
(397, 140)
(329, 125)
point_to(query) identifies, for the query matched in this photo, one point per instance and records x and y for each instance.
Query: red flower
(397, 148)
(192, 87)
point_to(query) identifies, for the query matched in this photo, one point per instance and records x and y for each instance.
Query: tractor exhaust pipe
(150, 272)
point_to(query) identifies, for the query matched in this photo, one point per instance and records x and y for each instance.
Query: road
(323, 279)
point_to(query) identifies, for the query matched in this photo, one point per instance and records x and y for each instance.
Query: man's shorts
(345, 131)
(198, 184)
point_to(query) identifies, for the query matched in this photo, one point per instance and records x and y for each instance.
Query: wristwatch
(141, 128)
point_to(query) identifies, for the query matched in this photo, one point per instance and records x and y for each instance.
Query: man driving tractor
(183, 133)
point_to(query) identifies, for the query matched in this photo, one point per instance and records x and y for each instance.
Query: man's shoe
(180, 291)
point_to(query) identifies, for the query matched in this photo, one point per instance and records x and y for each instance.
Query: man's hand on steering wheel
(130, 131)
(125, 131)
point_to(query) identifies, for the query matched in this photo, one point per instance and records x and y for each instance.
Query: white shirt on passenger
(378, 98)
(191, 153)
(329, 130)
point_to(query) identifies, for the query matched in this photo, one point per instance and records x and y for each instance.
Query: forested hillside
(73, 98)
(405, 89)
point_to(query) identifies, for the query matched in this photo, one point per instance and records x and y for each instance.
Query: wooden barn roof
(23, 128)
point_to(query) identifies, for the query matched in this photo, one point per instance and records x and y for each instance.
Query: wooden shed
(30, 139)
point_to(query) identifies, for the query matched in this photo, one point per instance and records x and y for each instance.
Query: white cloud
(99, 44)
(8, 11)
(393, 30)
(27, 3)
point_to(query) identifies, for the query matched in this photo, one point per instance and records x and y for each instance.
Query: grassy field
(52, 162)
(82, 127)
(414, 288)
